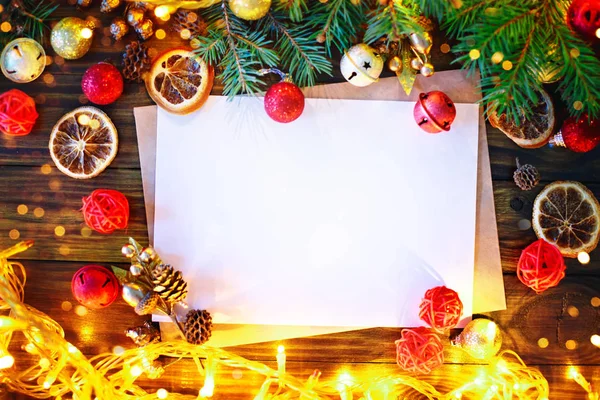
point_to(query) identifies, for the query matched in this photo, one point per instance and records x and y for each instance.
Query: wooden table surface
(28, 176)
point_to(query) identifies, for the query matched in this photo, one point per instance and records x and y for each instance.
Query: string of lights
(49, 365)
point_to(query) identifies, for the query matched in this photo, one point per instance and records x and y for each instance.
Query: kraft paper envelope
(488, 288)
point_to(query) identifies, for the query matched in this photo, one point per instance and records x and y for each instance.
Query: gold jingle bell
(23, 60)
(250, 10)
(421, 42)
(427, 70)
(395, 64)
(416, 64)
(361, 65)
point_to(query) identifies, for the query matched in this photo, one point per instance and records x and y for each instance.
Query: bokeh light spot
(474, 54)
(59, 231)
(46, 169)
(64, 250)
(39, 212)
(543, 343)
(81, 311)
(14, 234)
(571, 344)
(573, 311)
(22, 209)
(66, 306)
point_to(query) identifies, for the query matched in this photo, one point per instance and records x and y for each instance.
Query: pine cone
(148, 304)
(526, 176)
(188, 20)
(135, 61)
(168, 283)
(198, 326)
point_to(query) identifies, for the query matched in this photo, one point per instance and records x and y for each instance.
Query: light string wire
(50, 366)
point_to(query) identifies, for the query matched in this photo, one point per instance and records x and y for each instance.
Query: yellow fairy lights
(63, 371)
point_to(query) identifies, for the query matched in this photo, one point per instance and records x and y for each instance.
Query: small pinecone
(168, 283)
(135, 61)
(148, 304)
(526, 176)
(198, 326)
(188, 20)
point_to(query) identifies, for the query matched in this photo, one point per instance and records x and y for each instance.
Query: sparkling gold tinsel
(62, 370)
(71, 38)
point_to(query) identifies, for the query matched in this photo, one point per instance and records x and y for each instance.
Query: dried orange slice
(83, 143)
(566, 213)
(179, 81)
(532, 132)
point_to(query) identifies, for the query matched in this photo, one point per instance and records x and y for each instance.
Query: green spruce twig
(394, 20)
(32, 15)
(338, 21)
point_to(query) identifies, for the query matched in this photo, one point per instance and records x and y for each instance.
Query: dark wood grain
(53, 259)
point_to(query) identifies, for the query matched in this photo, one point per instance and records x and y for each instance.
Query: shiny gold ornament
(395, 64)
(135, 16)
(421, 42)
(136, 269)
(119, 28)
(416, 64)
(128, 251)
(84, 3)
(23, 60)
(71, 37)
(147, 254)
(427, 70)
(133, 293)
(481, 338)
(110, 5)
(145, 29)
(250, 10)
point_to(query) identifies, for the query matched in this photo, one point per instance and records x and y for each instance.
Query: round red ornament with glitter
(106, 210)
(583, 17)
(102, 83)
(541, 266)
(441, 308)
(578, 134)
(419, 350)
(434, 112)
(95, 286)
(284, 102)
(17, 113)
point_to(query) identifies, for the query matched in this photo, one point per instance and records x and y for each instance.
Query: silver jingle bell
(427, 70)
(136, 269)
(416, 64)
(23, 60)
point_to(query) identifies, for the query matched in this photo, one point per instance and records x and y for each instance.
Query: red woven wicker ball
(441, 308)
(434, 112)
(419, 350)
(95, 286)
(17, 113)
(541, 266)
(106, 210)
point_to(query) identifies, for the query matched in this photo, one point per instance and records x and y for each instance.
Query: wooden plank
(528, 318)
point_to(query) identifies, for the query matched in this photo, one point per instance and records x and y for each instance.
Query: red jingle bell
(434, 112)
(102, 83)
(95, 286)
(578, 134)
(583, 17)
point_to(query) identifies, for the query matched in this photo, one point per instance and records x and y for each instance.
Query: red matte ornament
(434, 112)
(419, 350)
(441, 308)
(541, 266)
(95, 286)
(106, 210)
(102, 83)
(578, 134)
(284, 102)
(17, 113)
(583, 17)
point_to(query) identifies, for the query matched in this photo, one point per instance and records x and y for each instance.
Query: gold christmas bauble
(250, 10)
(71, 38)
(395, 64)
(481, 338)
(416, 64)
(427, 70)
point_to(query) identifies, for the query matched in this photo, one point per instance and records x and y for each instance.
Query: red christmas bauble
(102, 83)
(541, 266)
(284, 102)
(578, 134)
(419, 350)
(441, 308)
(95, 286)
(583, 17)
(434, 112)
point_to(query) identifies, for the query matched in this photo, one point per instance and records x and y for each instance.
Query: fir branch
(32, 15)
(294, 8)
(338, 21)
(394, 20)
(237, 50)
(299, 53)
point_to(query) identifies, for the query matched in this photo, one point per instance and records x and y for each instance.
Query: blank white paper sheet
(344, 217)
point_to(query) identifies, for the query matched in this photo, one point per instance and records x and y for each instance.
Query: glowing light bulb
(136, 371)
(44, 363)
(47, 384)
(598, 33)
(458, 395)
(208, 389)
(72, 349)
(6, 361)
(595, 339)
(86, 33)
(583, 257)
(162, 393)
(516, 386)
(161, 11)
